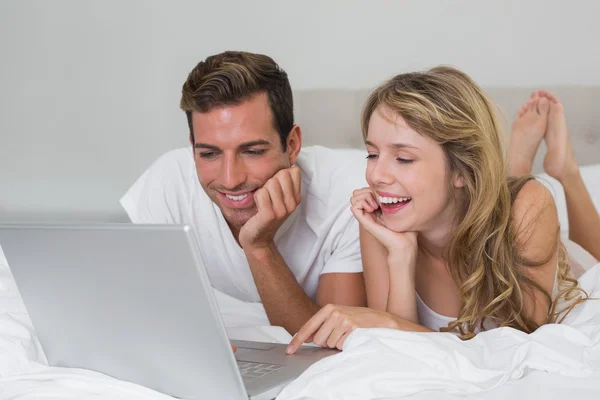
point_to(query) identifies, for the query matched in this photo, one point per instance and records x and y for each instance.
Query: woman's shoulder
(535, 220)
(532, 199)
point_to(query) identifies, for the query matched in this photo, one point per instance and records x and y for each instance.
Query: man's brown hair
(232, 77)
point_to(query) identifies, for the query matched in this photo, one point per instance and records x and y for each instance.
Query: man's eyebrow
(244, 145)
(205, 146)
(253, 143)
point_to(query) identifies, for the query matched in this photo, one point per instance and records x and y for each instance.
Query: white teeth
(237, 198)
(392, 200)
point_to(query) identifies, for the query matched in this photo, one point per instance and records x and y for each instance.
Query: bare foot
(528, 129)
(560, 161)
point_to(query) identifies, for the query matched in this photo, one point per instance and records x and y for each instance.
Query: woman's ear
(458, 180)
(294, 144)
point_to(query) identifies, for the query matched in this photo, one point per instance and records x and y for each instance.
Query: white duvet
(383, 363)
(556, 360)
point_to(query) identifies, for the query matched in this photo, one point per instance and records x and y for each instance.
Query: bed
(556, 362)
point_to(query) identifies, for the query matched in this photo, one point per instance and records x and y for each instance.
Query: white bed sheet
(24, 373)
(383, 363)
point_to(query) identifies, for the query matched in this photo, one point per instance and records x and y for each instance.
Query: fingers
(322, 336)
(288, 190)
(365, 208)
(363, 216)
(277, 197)
(309, 328)
(263, 200)
(335, 336)
(340, 343)
(285, 191)
(296, 175)
(364, 199)
(233, 347)
(333, 331)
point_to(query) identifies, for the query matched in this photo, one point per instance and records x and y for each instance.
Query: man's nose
(233, 172)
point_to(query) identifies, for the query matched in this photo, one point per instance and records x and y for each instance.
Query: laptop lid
(125, 300)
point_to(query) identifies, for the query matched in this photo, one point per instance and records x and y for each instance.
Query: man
(273, 222)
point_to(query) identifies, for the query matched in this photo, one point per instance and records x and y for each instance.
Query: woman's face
(409, 174)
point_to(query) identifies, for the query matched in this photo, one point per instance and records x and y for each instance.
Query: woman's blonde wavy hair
(447, 106)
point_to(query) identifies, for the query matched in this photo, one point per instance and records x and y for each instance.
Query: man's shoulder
(173, 167)
(321, 153)
(333, 172)
(330, 176)
(182, 157)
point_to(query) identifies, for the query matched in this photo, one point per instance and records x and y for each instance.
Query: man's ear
(294, 144)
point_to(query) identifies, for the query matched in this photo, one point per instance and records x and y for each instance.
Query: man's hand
(275, 201)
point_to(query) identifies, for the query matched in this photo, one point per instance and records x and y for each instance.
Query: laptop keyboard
(254, 370)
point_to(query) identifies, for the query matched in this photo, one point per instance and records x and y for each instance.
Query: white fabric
(430, 318)
(320, 237)
(382, 363)
(374, 364)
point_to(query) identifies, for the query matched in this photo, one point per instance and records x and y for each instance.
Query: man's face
(236, 150)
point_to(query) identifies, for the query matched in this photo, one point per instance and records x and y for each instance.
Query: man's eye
(371, 156)
(207, 154)
(255, 152)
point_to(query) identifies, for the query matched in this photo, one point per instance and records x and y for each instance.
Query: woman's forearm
(402, 300)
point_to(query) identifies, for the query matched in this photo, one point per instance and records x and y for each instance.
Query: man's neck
(235, 231)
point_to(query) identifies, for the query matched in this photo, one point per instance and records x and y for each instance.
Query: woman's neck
(432, 246)
(434, 242)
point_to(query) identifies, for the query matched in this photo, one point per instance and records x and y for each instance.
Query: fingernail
(290, 349)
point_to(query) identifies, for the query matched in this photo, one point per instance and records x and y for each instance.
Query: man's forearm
(285, 301)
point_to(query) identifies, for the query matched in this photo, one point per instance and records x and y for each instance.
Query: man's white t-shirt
(321, 236)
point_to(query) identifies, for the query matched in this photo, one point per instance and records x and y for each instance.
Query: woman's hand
(332, 324)
(367, 211)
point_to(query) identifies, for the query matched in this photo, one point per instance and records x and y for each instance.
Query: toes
(549, 95)
(555, 109)
(543, 105)
(532, 105)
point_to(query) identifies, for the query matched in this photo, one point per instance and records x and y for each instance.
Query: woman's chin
(395, 225)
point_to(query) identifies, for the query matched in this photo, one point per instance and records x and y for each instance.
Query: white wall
(88, 85)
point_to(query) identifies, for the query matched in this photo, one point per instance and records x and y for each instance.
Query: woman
(448, 242)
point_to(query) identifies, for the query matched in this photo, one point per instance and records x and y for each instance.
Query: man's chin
(237, 218)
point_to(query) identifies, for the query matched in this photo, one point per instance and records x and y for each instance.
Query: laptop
(134, 302)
